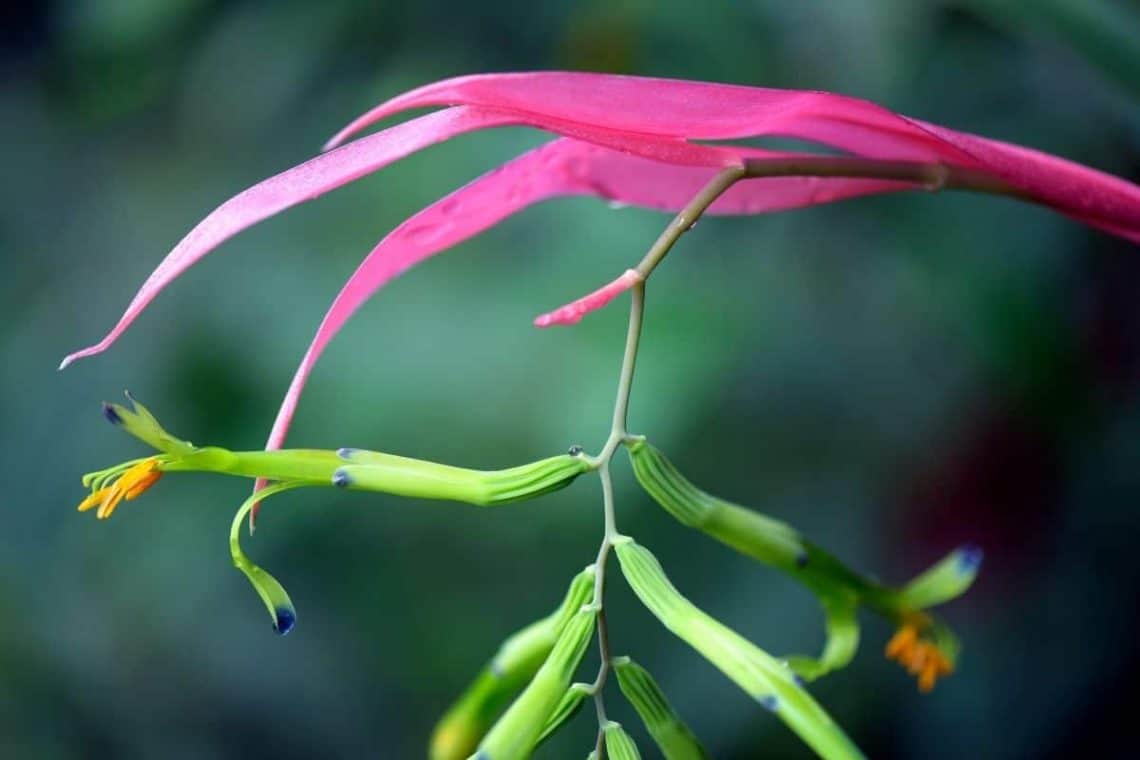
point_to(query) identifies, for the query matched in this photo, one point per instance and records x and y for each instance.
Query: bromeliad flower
(548, 651)
(125, 481)
(348, 468)
(632, 140)
(921, 656)
(636, 141)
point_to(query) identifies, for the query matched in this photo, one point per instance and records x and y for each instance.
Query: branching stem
(923, 175)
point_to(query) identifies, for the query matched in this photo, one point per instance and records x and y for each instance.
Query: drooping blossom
(625, 139)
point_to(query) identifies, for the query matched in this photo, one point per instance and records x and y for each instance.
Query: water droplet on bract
(574, 450)
(616, 205)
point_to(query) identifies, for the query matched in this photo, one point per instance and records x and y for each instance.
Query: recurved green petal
(944, 581)
(272, 593)
(842, 640)
(139, 422)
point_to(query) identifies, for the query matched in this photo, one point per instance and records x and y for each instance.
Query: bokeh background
(894, 376)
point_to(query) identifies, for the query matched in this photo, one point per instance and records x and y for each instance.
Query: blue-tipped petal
(286, 619)
(970, 559)
(111, 415)
(272, 593)
(946, 580)
(341, 479)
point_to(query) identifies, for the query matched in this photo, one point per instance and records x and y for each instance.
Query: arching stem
(929, 176)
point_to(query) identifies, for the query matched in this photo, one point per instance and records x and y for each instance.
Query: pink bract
(572, 313)
(561, 167)
(706, 111)
(626, 139)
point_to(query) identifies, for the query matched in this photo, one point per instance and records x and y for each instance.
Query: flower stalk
(641, 142)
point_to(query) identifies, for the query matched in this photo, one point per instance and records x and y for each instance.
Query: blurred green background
(894, 376)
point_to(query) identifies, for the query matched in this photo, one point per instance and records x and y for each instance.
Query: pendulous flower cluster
(637, 141)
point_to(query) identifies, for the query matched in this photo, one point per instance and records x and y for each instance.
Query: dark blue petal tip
(286, 618)
(970, 558)
(341, 479)
(111, 415)
(770, 703)
(345, 453)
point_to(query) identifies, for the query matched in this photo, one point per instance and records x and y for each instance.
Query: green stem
(931, 176)
(617, 434)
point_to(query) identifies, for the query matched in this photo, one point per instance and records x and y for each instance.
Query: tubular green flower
(354, 469)
(516, 733)
(566, 709)
(840, 589)
(466, 722)
(619, 744)
(672, 736)
(761, 676)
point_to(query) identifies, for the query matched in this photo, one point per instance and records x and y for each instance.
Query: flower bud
(765, 679)
(619, 744)
(672, 736)
(515, 734)
(466, 722)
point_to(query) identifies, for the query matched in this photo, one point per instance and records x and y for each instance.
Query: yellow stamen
(142, 485)
(129, 485)
(921, 657)
(902, 643)
(94, 499)
(109, 504)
